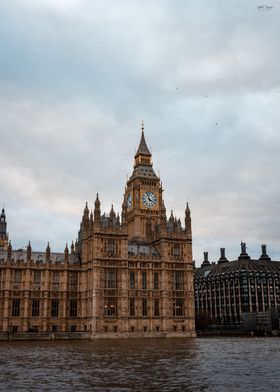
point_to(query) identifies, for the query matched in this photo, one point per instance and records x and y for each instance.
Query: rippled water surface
(222, 364)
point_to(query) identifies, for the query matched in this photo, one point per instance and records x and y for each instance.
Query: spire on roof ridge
(143, 148)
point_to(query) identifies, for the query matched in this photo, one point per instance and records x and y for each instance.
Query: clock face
(149, 199)
(129, 200)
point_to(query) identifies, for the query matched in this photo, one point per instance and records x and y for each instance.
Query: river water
(214, 364)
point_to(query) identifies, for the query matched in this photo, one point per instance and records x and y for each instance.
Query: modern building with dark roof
(227, 292)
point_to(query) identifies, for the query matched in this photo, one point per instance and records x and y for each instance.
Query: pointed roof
(143, 148)
(97, 201)
(3, 215)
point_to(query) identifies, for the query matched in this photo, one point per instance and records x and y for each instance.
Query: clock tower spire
(143, 194)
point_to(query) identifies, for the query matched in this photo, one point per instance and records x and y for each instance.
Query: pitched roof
(143, 149)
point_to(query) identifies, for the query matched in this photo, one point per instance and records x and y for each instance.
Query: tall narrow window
(156, 309)
(144, 307)
(55, 280)
(155, 280)
(37, 280)
(73, 280)
(132, 307)
(17, 276)
(131, 280)
(35, 311)
(176, 250)
(144, 280)
(178, 280)
(73, 309)
(16, 307)
(110, 278)
(55, 308)
(37, 276)
(111, 247)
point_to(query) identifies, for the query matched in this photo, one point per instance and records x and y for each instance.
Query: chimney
(205, 261)
(223, 258)
(243, 254)
(264, 255)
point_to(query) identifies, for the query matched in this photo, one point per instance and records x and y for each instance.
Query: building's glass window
(37, 276)
(132, 307)
(73, 308)
(17, 278)
(178, 308)
(55, 280)
(176, 250)
(73, 280)
(144, 307)
(178, 280)
(144, 280)
(55, 308)
(131, 280)
(16, 307)
(110, 278)
(110, 306)
(37, 280)
(156, 309)
(156, 281)
(111, 247)
(35, 311)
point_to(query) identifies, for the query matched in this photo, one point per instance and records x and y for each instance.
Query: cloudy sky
(77, 77)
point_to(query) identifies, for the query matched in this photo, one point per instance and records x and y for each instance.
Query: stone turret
(112, 217)
(66, 253)
(86, 214)
(76, 246)
(178, 226)
(9, 251)
(124, 213)
(29, 251)
(118, 220)
(97, 211)
(163, 218)
(90, 222)
(48, 252)
(188, 221)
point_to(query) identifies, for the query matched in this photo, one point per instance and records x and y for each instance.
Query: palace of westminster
(123, 277)
(131, 276)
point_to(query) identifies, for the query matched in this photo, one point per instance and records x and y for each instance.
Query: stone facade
(130, 276)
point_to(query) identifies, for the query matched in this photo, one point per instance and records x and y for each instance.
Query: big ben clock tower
(137, 270)
(143, 194)
(4, 239)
